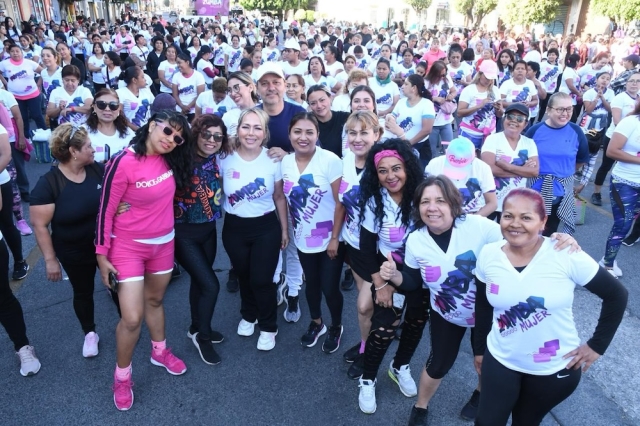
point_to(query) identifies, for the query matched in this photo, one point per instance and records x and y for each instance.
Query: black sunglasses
(206, 135)
(517, 118)
(102, 105)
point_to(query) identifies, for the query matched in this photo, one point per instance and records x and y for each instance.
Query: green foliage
(300, 15)
(621, 10)
(531, 12)
(310, 15)
(475, 10)
(419, 5)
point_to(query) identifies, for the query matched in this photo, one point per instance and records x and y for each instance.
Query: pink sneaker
(23, 227)
(172, 363)
(122, 394)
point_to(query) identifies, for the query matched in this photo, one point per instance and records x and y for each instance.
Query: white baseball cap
(269, 68)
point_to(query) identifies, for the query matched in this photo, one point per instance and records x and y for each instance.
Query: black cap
(521, 108)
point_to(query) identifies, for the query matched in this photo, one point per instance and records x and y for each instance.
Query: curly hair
(61, 141)
(371, 189)
(205, 121)
(180, 159)
(120, 122)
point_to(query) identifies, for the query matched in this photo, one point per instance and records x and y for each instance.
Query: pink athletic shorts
(133, 259)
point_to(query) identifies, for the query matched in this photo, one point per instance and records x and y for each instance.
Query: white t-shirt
(235, 56)
(112, 79)
(588, 74)
(169, 71)
(328, 81)
(20, 77)
(472, 188)
(549, 76)
(483, 120)
(333, 69)
(392, 235)
(630, 128)
(50, 82)
(208, 105)
(8, 100)
(599, 116)
(569, 73)
(404, 72)
(349, 196)
(193, 52)
(384, 93)
(341, 103)
(100, 141)
(188, 88)
(450, 276)
(97, 76)
(218, 54)
(310, 198)
(248, 186)
(393, 67)
(4, 175)
(409, 118)
(522, 93)
(625, 103)
(140, 52)
(499, 145)
(202, 65)
(363, 63)
(459, 74)
(76, 99)
(288, 69)
(532, 326)
(136, 108)
(441, 90)
(270, 55)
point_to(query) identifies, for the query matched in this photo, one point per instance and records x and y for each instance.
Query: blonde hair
(354, 75)
(264, 122)
(61, 141)
(491, 84)
(366, 119)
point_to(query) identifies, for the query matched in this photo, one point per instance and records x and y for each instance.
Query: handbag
(448, 107)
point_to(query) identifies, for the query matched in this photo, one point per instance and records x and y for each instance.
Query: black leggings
(553, 220)
(323, 277)
(11, 316)
(445, 345)
(253, 245)
(82, 279)
(607, 164)
(8, 229)
(196, 246)
(543, 106)
(526, 397)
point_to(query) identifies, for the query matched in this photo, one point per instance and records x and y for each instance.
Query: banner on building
(212, 7)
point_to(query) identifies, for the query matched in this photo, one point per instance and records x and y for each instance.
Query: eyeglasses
(206, 135)
(169, 131)
(234, 89)
(516, 117)
(102, 105)
(633, 81)
(567, 110)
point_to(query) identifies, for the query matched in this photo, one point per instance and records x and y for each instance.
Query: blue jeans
(437, 136)
(31, 109)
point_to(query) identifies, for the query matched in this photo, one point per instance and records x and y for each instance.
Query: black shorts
(355, 260)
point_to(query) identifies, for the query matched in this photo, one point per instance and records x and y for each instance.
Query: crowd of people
(439, 167)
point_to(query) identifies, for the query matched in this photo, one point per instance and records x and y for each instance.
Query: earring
(75, 158)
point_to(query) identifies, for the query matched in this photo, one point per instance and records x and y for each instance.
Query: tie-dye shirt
(450, 276)
(310, 198)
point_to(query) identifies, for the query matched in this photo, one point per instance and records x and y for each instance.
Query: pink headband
(386, 153)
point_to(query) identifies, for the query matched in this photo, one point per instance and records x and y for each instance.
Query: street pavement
(286, 386)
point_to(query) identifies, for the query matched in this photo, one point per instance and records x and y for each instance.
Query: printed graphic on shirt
(455, 289)
(550, 79)
(523, 316)
(251, 191)
(304, 200)
(48, 87)
(471, 194)
(73, 117)
(504, 185)
(503, 76)
(406, 124)
(385, 99)
(235, 57)
(350, 200)
(141, 113)
(520, 96)
(187, 90)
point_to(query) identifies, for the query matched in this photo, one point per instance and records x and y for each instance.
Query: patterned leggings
(17, 199)
(625, 205)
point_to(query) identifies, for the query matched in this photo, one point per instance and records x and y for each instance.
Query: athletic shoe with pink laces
(169, 361)
(122, 393)
(23, 227)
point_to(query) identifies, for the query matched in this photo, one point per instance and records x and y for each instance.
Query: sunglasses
(169, 131)
(102, 105)
(516, 117)
(206, 135)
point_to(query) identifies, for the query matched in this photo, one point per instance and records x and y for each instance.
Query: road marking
(600, 210)
(32, 259)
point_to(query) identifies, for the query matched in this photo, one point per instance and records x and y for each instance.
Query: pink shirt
(432, 56)
(147, 184)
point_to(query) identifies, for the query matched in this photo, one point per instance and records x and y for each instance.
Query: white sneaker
(367, 396)
(29, 363)
(90, 347)
(246, 328)
(404, 380)
(267, 340)
(616, 269)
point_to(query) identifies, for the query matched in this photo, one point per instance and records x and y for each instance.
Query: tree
(269, 5)
(475, 10)
(621, 10)
(419, 5)
(310, 16)
(531, 12)
(300, 15)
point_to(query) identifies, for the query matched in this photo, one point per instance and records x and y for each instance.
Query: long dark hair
(363, 88)
(512, 61)
(180, 159)
(371, 190)
(417, 81)
(120, 122)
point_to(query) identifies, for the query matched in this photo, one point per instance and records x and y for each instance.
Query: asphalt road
(287, 386)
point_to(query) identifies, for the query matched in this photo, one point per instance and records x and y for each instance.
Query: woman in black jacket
(155, 57)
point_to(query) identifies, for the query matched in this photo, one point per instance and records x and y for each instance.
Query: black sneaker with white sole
(357, 368)
(314, 331)
(352, 353)
(470, 409)
(332, 341)
(630, 240)
(206, 350)
(216, 336)
(418, 416)
(20, 270)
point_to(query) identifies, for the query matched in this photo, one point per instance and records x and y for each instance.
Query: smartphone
(113, 282)
(107, 153)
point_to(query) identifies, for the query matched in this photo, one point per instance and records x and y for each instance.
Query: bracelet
(381, 287)
(73, 109)
(403, 135)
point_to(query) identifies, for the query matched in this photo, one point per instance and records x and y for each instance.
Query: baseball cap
(459, 158)
(489, 68)
(269, 68)
(518, 107)
(292, 44)
(635, 59)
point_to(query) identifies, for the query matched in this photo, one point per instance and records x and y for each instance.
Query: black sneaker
(470, 409)
(315, 330)
(176, 270)
(357, 368)
(232, 284)
(332, 341)
(292, 313)
(216, 336)
(352, 353)
(418, 416)
(20, 270)
(628, 241)
(205, 348)
(347, 283)
(596, 199)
